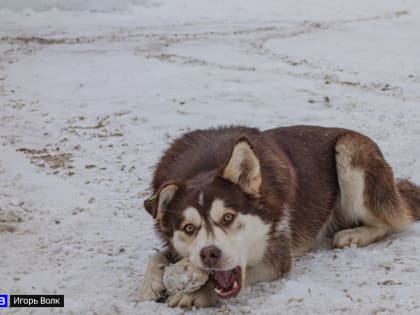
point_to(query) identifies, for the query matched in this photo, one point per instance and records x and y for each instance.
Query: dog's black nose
(210, 255)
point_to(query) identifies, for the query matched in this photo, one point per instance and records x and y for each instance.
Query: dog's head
(214, 218)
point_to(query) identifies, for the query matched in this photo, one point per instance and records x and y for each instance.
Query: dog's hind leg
(369, 195)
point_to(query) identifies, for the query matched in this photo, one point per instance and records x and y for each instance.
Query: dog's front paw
(204, 297)
(152, 287)
(151, 290)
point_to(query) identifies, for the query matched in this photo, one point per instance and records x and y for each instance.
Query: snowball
(183, 277)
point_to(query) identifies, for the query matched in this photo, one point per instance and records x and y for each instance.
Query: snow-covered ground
(88, 101)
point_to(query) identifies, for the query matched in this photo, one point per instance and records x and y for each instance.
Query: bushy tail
(411, 194)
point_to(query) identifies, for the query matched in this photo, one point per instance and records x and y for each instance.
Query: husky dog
(242, 203)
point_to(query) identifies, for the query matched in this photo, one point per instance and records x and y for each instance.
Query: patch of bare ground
(44, 158)
(7, 218)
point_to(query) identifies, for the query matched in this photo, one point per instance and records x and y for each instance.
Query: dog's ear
(243, 167)
(157, 203)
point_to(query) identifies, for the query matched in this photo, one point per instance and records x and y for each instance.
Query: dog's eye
(228, 218)
(189, 229)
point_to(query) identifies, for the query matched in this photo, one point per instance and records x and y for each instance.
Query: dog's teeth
(220, 292)
(235, 284)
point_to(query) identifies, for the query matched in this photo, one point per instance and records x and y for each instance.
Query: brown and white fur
(242, 202)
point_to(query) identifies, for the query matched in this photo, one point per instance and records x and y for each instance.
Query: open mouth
(227, 282)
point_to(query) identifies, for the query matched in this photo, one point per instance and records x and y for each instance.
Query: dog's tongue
(225, 278)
